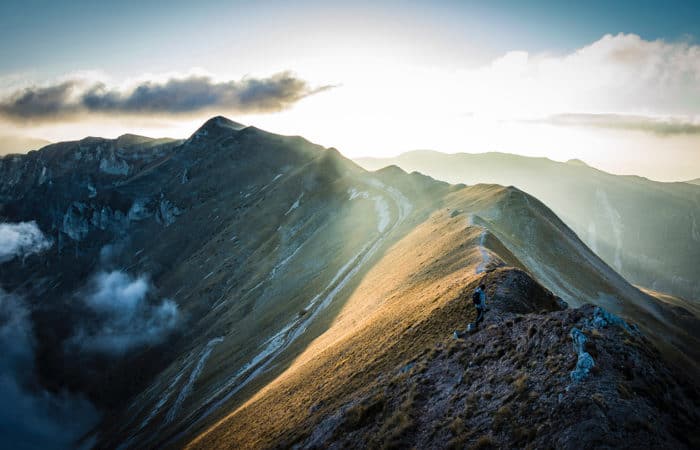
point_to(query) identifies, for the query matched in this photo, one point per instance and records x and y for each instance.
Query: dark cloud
(174, 96)
(663, 127)
(31, 416)
(48, 101)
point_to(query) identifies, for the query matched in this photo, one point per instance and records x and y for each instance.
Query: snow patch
(295, 205)
(382, 208)
(206, 352)
(284, 262)
(277, 177)
(42, 176)
(354, 193)
(165, 397)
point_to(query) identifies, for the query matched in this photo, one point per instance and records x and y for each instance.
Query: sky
(615, 84)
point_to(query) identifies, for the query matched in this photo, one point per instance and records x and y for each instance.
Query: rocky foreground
(536, 374)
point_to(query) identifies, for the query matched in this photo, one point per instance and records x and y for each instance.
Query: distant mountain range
(20, 144)
(695, 181)
(242, 289)
(647, 231)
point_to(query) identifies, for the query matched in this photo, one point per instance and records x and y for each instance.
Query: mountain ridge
(275, 252)
(598, 206)
(337, 419)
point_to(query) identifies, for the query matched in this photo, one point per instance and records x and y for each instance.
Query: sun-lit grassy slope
(404, 304)
(684, 307)
(415, 296)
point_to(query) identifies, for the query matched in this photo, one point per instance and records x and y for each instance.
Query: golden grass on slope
(672, 300)
(403, 305)
(406, 303)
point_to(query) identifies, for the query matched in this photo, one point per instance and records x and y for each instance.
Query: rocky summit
(242, 289)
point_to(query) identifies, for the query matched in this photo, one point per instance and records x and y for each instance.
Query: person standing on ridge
(479, 301)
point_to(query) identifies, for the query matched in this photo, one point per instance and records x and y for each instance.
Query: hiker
(479, 300)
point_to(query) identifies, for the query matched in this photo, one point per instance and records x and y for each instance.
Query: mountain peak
(132, 139)
(218, 123)
(577, 162)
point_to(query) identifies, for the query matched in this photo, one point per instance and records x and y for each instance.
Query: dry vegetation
(387, 373)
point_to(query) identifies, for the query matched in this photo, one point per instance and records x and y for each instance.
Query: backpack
(476, 298)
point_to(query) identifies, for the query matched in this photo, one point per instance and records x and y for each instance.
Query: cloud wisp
(126, 319)
(659, 126)
(21, 239)
(72, 99)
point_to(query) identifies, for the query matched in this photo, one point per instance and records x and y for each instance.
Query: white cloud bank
(620, 73)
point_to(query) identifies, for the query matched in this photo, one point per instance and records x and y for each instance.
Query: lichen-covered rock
(602, 318)
(585, 362)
